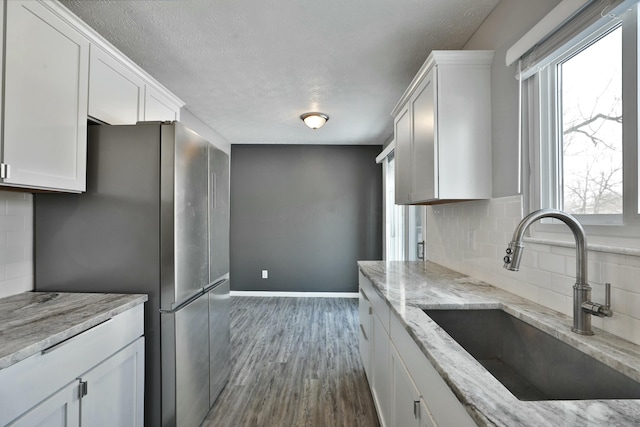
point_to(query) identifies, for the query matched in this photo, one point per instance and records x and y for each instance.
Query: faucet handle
(600, 310)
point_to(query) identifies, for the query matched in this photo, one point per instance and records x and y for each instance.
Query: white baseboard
(294, 294)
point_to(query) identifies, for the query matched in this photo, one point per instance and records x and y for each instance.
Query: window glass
(394, 216)
(590, 109)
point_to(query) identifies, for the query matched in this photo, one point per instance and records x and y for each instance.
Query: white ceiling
(249, 68)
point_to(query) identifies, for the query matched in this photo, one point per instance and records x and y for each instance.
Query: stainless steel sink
(532, 364)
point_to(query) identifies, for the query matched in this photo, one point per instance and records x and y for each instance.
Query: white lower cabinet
(365, 332)
(95, 378)
(406, 397)
(406, 388)
(62, 409)
(380, 375)
(426, 419)
(115, 390)
(408, 408)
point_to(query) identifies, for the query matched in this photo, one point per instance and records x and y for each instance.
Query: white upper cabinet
(45, 100)
(443, 130)
(402, 131)
(57, 73)
(159, 107)
(116, 93)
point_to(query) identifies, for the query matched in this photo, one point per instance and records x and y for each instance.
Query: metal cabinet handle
(363, 332)
(71, 339)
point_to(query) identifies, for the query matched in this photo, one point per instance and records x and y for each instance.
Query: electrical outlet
(265, 274)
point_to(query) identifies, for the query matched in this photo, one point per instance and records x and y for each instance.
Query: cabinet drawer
(32, 380)
(380, 307)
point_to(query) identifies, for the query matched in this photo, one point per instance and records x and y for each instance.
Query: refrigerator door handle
(182, 304)
(216, 282)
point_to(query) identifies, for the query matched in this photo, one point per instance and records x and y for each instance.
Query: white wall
(16, 242)
(471, 237)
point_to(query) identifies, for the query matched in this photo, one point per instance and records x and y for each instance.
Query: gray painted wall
(304, 213)
(509, 21)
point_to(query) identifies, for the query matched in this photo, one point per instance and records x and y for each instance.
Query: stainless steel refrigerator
(154, 220)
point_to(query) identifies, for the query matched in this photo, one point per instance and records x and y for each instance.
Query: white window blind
(555, 33)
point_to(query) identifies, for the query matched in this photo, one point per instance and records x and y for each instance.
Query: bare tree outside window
(591, 101)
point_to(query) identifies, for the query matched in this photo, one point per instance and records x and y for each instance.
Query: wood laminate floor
(295, 362)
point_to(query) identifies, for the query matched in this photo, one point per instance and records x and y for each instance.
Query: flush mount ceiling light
(314, 120)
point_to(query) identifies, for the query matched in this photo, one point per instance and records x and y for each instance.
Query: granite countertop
(33, 321)
(409, 287)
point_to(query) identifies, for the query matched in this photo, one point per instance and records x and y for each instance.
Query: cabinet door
(365, 332)
(426, 419)
(115, 390)
(116, 94)
(45, 101)
(380, 370)
(157, 107)
(60, 410)
(403, 157)
(424, 185)
(405, 409)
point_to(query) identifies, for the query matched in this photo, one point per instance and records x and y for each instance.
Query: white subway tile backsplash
(594, 271)
(632, 261)
(624, 302)
(16, 243)
(16, 286)
(556, 301)
(608, 258)
(11, 223)
(537, 277)
(537, 247)
(18, 270)
(622, 277)
(561, 250)
(562, 284)
(553, 263)
(623, 326)
(513, 209)
(547, 271)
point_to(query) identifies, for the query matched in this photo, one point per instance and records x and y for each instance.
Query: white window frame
(540, 123)
(406, 224)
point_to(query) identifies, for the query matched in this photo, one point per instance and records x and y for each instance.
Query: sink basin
(530, 363)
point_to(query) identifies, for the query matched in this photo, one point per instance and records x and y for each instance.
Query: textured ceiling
(249, 68)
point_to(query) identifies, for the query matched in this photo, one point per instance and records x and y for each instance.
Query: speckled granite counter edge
(19, 343)
(401, 285)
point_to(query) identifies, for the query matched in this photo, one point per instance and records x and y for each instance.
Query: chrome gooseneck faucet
(583, 308)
